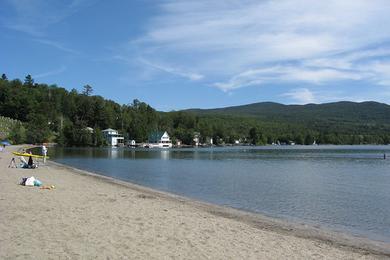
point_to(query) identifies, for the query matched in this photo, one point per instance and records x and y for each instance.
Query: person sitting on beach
(30, 163)
(12, 164)
(23, 162)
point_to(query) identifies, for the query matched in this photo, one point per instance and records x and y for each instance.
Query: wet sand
(90, 216)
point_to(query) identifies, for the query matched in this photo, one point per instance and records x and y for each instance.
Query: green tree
(87, 90)
(253, 135)
(256, 137)
(4, 77)
(84, 137)
(18, 134)
(185, 135)
(28, 81)
(98, 138)
(61, 141)
(299, 139)
(309, 139)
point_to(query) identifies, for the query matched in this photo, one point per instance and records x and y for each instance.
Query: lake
(342, 188)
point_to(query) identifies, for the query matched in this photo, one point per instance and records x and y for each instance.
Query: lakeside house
(112, 137)
(159, 139)
(196, 139)
(132, 143)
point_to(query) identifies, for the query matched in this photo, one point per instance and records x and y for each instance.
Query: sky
(179, 54)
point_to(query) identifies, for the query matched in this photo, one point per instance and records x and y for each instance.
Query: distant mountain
(342, 112)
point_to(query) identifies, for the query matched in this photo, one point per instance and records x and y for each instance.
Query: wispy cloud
(193, 76)
(301, 96)
(381, 70)
(34, 17)
(56, 45)
(306, 96)
(287, 74)
(49, 73)
(171, 70)
(234, 44)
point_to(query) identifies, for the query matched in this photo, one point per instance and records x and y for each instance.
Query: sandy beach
(89, 216)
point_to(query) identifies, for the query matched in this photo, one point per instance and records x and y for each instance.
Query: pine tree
(28, 81)
(87, 90)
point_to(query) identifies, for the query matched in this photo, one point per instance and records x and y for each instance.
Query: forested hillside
(54, 114)
(344, 111)
(330, 119)
(6, 126)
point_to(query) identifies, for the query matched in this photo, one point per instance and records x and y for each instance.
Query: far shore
(87, 215)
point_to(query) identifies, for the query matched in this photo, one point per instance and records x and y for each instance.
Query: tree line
(53, 114)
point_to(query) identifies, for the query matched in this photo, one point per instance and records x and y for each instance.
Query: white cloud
(237, 43)
(306, 96)
(301, 96)
(171, 70)
(318, 76)
(34, 17)
(244, 79)
(287, 74)
(381, 70)
(49, 73)
(56, 45)
(349, 60)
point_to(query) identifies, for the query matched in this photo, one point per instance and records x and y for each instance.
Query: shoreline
(91, 215)
(256, 220)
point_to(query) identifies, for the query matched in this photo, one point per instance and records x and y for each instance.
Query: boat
(29, 154)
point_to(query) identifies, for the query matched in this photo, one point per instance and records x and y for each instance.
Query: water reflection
(113, 153)
(164, 154)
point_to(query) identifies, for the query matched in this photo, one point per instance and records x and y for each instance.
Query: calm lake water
(343, 188)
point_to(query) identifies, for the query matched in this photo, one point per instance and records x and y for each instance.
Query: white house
(196, 139)
(159, 140)
(113, 138)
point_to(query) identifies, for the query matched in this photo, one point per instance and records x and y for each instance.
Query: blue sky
(186, 54)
